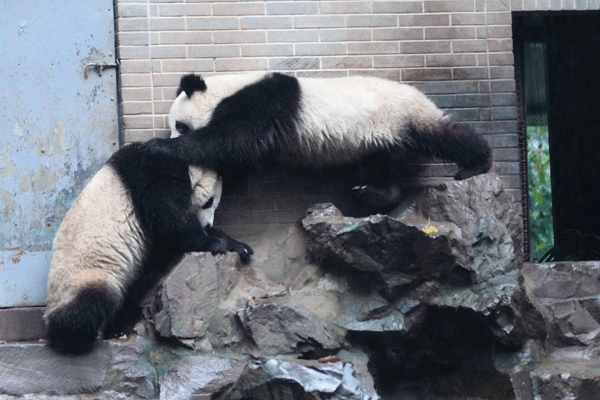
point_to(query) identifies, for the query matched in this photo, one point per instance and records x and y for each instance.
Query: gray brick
(136, 107)
(240, 36)
(482, 59)
(344, 35)
(581, 4)
(133, 24)
(396, 61)
(166, 79)
(450, 33)
(344, 7)
(162, 107)
(504, 99)
(267, 22)
(465, 114)
(136, 94)
(480, 127)
(292, 8)
(346, 62)
(293, 36)
(423, 47)
(484, 86)
(373, 48)
(499, 31)
(133, 38)
(239, 9)
(508, 126)
(294, 63)
(321, 74)
(168, 52)
(134, 66)
(501, 58)
(371, 20)
(517, 5)
(180, 10)
(499, 45)
(468, 18)
(503, 86)
(469, 46)
(167, 24)
(397, 7)
(452, 87)
(499, 18)
(185, 37)
(506, 140)
(448, 6)
(398, 34)
(485, 114)
(137, 135)
(319, 21)
(542, 5)
(470, 73)
(507, 168)
(188, 65)
(132, 10)
(316, 49)
(212, 23)
(134, 52)
(450, 60)
(495, 5)
(253, 50)
(508, 154)
(213, 51)
(135, 80)
(503, 113)
(426, 74)
(443, 100)
(241, 64)
(391, 74)
(506, 72)
(567, 4)
(406, 20)
(472, 100)
(137, 122)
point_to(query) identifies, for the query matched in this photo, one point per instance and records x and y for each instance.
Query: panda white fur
(134, 217)
(235, 121)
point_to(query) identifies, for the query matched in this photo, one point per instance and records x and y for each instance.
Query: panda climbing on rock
(237, 121)
(135, 216)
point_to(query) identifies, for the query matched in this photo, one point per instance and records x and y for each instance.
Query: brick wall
(458, 52)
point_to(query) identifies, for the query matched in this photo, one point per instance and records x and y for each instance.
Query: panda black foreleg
(222, 243)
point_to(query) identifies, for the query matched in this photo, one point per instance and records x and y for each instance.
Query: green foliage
(540, 201)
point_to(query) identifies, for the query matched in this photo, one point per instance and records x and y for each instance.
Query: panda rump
(235, 121)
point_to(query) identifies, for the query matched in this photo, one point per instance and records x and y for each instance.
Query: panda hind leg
(74, 328)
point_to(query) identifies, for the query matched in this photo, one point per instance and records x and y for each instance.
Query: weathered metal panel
(57, 127)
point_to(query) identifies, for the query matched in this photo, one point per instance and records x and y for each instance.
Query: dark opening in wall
(556, 62)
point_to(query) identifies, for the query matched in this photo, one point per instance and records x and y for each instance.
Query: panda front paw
(221, 243)
(380, 198)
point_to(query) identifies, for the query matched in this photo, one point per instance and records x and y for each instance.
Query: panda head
(207, 187)
(192, 107)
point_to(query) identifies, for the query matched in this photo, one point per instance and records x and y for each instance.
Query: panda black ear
(191, 83)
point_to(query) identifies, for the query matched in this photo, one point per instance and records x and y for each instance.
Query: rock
(566, 380)
(283, 329)
(35, 368)
(374, 244)
(310, 380)
(567, 293)
(199, 377)
(188, 298)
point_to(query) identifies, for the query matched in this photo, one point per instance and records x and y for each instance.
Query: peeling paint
(18, 130)
(8, 168)
(8, 204)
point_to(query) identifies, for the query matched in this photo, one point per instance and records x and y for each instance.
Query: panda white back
(98, 241)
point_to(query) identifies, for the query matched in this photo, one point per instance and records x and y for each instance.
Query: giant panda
(236, 121)
(133, 218)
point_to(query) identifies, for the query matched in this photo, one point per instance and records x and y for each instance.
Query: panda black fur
(235, 121)
(135, 217)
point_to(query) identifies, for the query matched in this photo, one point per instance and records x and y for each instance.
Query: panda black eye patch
(208, 203)
(182, 128)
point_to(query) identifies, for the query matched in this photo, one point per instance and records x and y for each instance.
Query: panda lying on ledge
(232, 122)
(134, 217)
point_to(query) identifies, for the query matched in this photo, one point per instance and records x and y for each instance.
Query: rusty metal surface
(57, 127)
